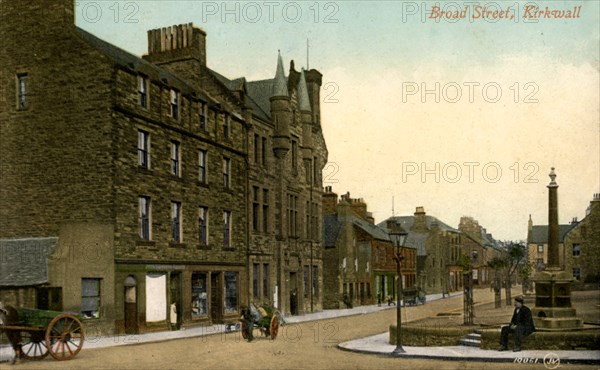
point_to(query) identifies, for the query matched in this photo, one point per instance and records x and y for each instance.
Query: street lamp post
(398, 236)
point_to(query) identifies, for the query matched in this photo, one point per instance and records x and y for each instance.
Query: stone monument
(553, 311)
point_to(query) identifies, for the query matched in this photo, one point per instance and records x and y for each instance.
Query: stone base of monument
(553, 311)
(586, 338)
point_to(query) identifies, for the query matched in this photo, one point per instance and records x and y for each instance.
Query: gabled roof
(539, 233)
(375, 231)
(408, 221)
(24, 262)
(417, 239)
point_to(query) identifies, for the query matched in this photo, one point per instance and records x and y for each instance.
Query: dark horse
(10, 316)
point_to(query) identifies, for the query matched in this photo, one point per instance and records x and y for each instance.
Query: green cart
(45, 332)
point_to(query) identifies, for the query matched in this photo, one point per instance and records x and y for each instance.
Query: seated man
(521, 325)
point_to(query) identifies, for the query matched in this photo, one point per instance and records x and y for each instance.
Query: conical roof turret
(279, 87)
(303, 100)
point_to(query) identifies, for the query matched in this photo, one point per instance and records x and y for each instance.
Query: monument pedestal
(553, 309)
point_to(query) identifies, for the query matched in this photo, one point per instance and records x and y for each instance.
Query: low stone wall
(425, 336)
(546, 340)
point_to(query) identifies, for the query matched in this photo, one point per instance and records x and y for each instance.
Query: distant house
(358, 257)
(438, 250)
(537, 244)
(582, 246)
(480, 247)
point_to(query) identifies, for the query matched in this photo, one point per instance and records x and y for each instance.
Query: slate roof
(373, 230)
(135, 63)
(417, 239)
(539, 233)
(260, 92)
(408, 221)
(24, 262)
(255, 93)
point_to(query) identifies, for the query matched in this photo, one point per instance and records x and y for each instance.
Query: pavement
(375, 345)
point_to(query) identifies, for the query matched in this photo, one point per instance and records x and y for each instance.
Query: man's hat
(519, 299)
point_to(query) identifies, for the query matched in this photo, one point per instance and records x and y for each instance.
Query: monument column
(553, 309)
(553, 228)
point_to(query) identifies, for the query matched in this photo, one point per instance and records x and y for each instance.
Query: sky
(462, 116)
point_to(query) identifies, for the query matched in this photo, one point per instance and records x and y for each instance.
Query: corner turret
(280, 111)
(306, 118)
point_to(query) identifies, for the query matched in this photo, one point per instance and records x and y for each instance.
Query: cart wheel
(33, 345)
(64, 337)
(274, 328)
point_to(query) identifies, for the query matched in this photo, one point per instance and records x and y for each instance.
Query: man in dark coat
(521, 325)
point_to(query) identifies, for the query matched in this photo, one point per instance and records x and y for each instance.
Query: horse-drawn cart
(37, 333)
(413, 296)
(264, 318)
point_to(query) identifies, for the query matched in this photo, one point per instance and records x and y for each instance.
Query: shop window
(266, 280)
(199, 295)
(255, 286)
(231, 292)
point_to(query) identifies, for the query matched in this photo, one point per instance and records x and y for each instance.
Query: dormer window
(174, 104)
(143, 91)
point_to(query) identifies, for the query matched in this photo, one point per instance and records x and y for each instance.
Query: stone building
(358, 257)
(480, 247)
(582, 247)
(537, 244)
(286, 155)
(438, 250)
(141, 172)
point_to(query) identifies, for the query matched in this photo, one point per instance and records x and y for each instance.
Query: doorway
(130, 305)
(216, 298)
(175, 311)
(293, 293)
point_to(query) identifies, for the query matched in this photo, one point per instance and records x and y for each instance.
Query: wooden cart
(266, 319)
(45, 332)
(413, 296)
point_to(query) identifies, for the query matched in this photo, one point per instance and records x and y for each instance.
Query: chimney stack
(180, 48)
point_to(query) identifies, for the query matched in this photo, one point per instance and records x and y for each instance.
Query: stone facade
(537, 244)
(437, 250)
(480, 247)
(359, 257)
(582, 247)
(143, 168)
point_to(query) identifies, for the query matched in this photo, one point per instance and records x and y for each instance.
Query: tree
(516, 254)
(525, 272)
(497, 264)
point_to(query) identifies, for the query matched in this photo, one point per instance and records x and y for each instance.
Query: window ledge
(173, 244)
(204, 247)
(145, 243)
